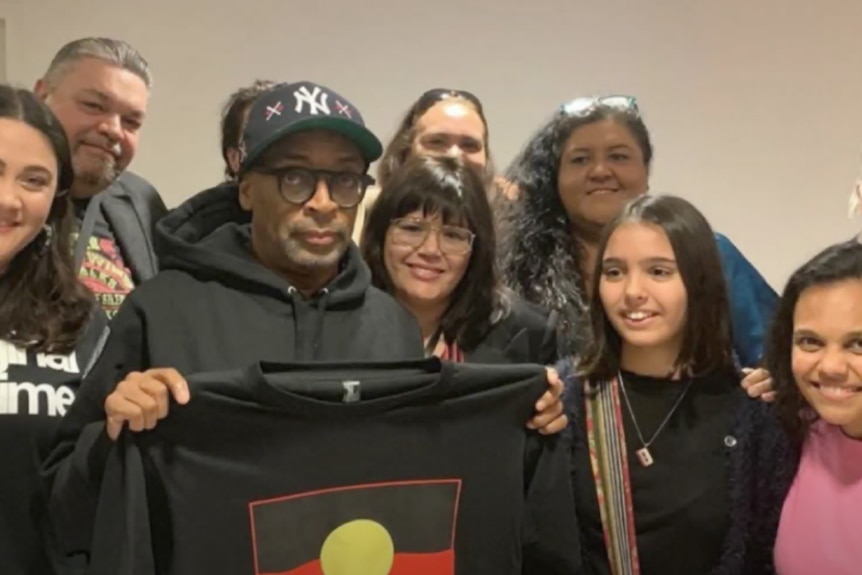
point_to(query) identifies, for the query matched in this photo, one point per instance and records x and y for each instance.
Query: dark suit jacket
(130, 206)
(527, 335)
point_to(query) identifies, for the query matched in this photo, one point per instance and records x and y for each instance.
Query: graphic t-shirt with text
(36, 389)
(103, 270)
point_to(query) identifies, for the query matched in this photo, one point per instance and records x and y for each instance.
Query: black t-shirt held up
(420, 468)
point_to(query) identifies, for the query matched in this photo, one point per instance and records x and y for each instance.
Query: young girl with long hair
(676, 471)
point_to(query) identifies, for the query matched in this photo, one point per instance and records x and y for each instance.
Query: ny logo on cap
(316, 100)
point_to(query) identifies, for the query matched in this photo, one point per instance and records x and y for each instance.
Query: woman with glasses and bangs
(442, 122)
(574, 176)
(430, 243)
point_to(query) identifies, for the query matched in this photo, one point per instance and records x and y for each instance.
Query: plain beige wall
(755, 106)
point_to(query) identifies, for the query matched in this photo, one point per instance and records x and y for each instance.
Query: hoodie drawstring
(309, 330)
(322, 301)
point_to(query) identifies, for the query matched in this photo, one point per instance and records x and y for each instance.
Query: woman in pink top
(815, 356)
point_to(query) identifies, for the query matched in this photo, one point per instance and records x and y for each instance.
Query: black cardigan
(762, 467)
(528, 334)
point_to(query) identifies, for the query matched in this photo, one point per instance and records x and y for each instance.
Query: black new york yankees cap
(297, 107)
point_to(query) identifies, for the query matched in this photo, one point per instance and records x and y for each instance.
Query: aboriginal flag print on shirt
(419, 468)
(405, 528)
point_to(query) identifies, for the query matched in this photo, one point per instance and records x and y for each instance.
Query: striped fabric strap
(452, 352)
(609, 462)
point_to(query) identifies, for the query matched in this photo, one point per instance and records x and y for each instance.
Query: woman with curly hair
(574, 176)
(814, 353)
(49, 321)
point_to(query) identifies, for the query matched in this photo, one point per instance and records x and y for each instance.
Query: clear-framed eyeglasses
(414, 232)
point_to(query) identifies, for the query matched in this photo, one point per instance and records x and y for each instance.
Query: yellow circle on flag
(360, 546)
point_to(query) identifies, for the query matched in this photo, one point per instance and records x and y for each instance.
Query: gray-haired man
(99, 89)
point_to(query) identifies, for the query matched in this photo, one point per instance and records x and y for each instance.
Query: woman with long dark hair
(814, 354)
(49, 322)
(430, 243)
(675, 470)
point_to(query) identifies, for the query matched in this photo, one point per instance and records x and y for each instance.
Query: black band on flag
(393, 527)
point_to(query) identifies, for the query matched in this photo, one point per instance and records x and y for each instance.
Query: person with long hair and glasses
(430, 243)
(814, 354)
(574, 176)
(49, 321)
(675, 470)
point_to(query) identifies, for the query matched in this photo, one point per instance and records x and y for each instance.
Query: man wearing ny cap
(259, 270)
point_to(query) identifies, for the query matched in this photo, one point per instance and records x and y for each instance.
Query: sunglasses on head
(431, 97)
(587, 104)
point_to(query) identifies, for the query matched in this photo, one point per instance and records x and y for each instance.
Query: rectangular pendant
(645, 456)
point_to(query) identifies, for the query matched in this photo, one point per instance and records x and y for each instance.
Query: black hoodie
(213, 307)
